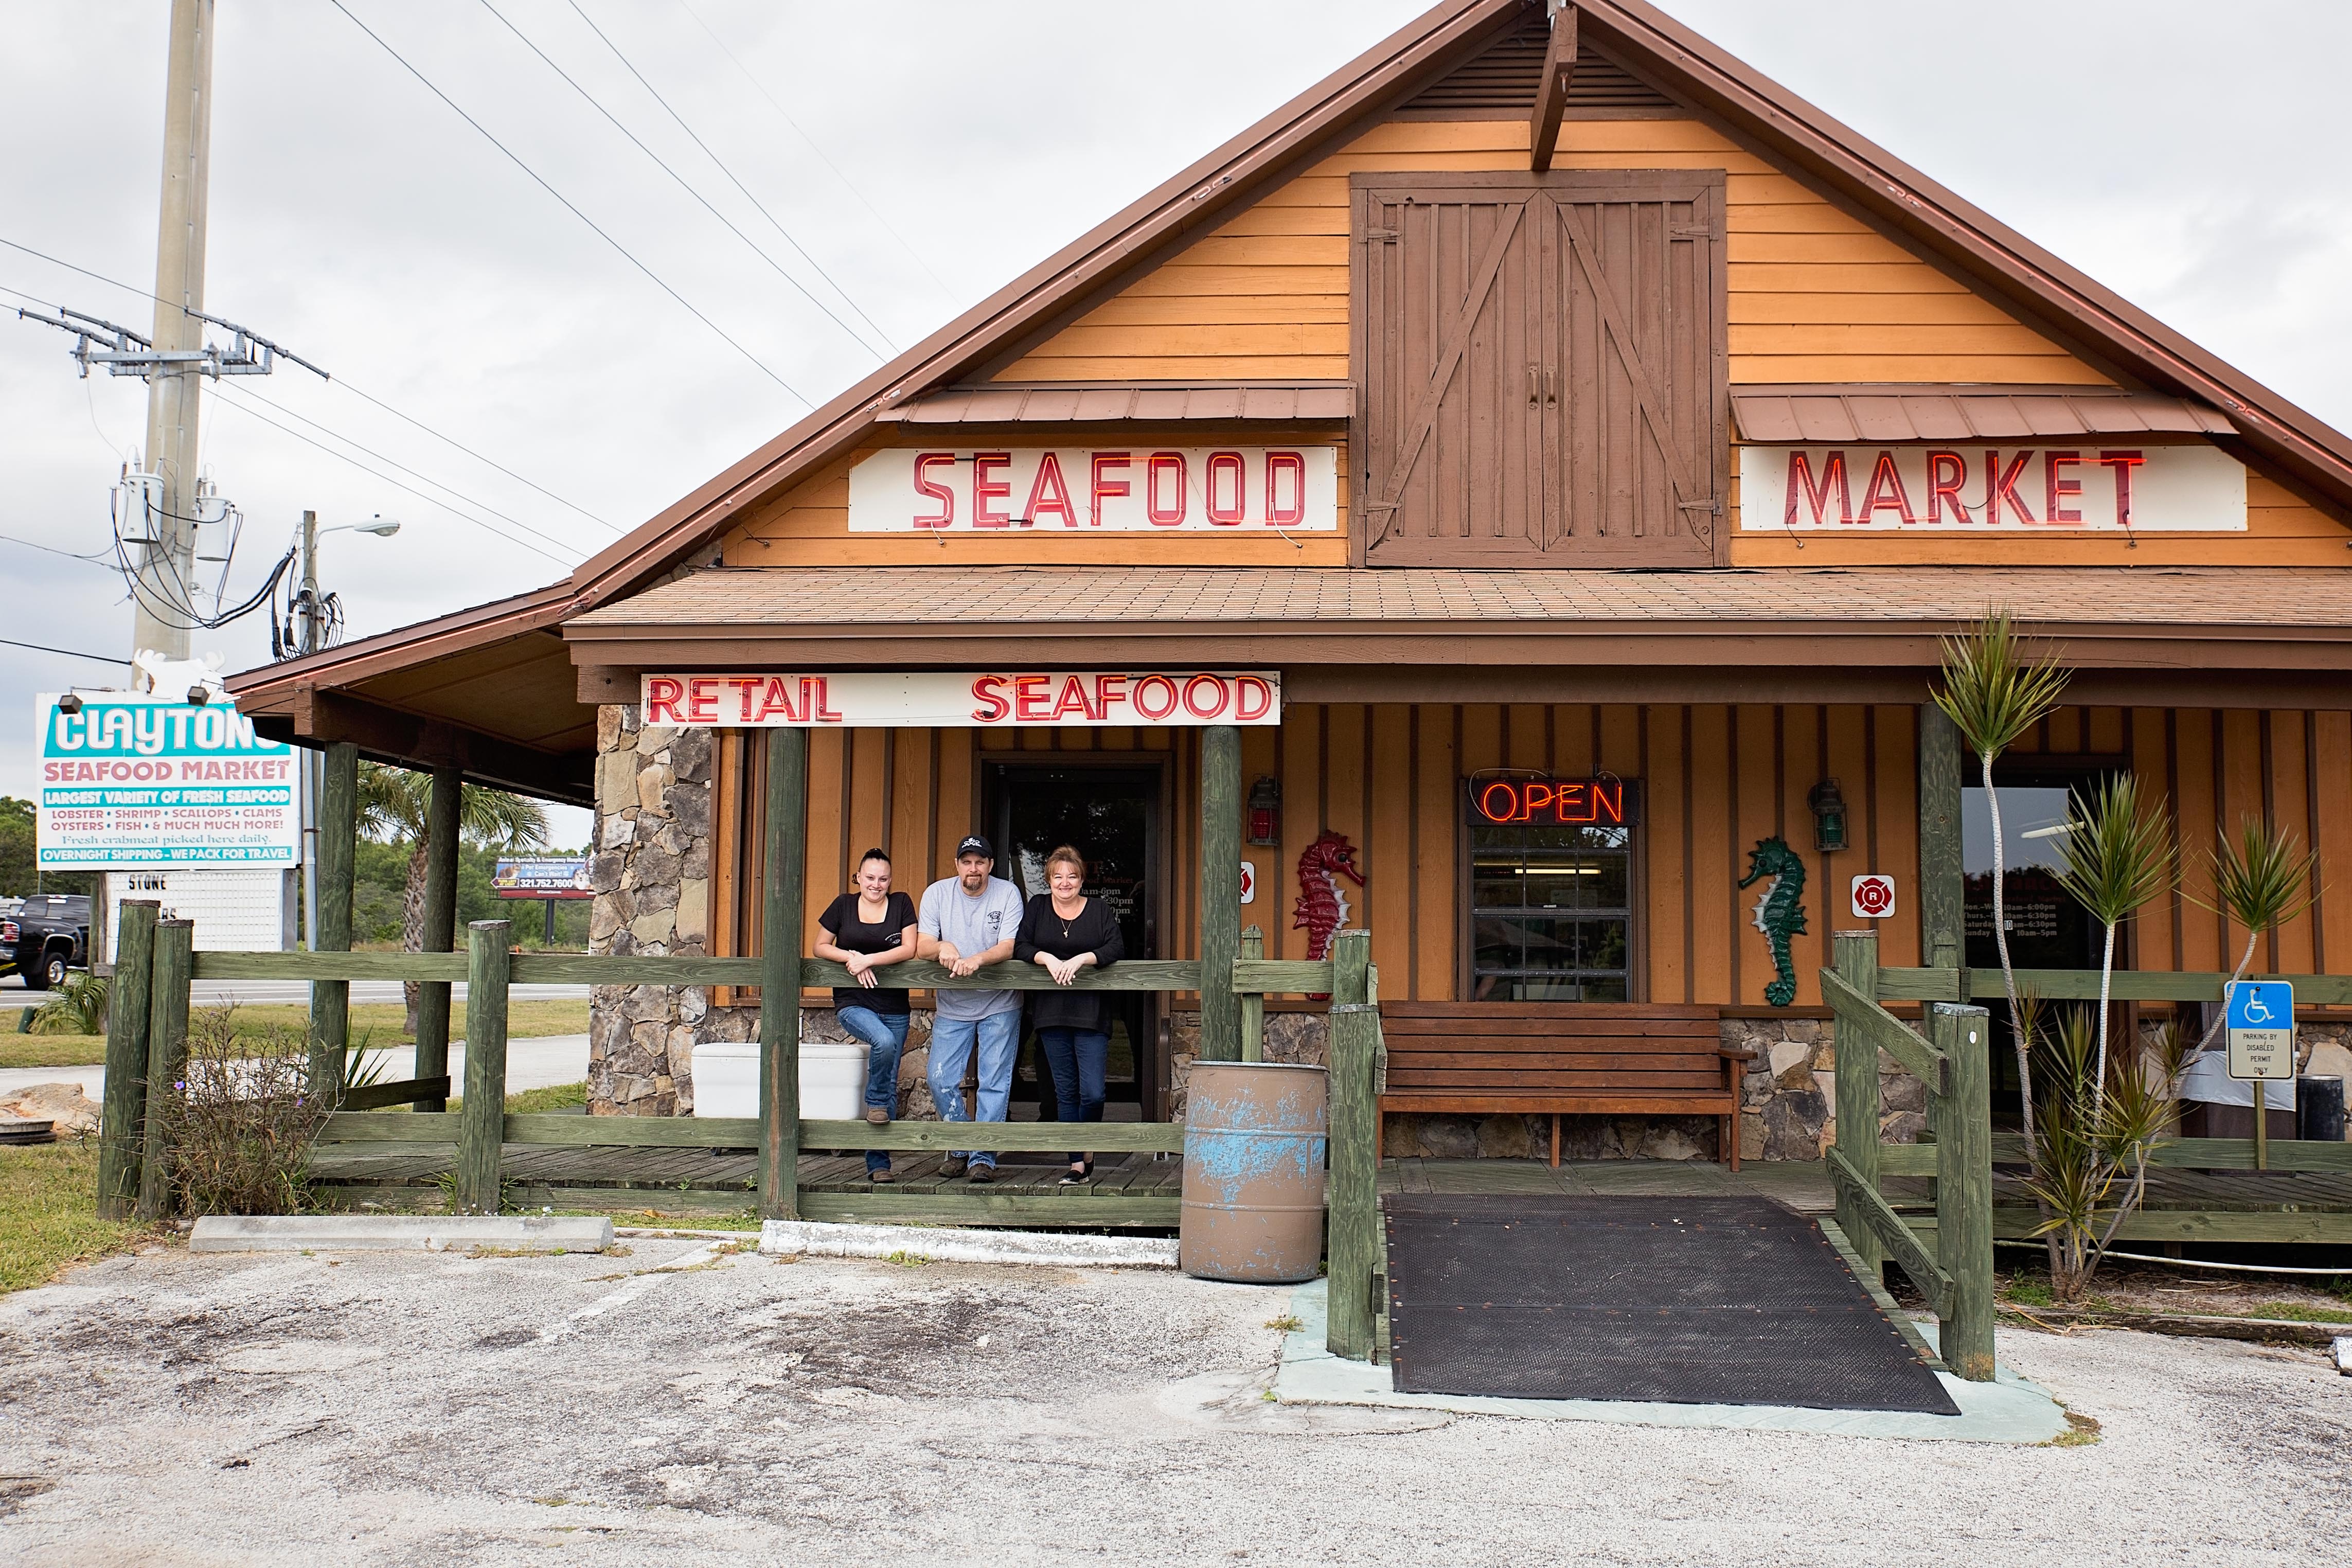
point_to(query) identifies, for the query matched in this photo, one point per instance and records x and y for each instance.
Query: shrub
(241, 1119)
(78, 1007)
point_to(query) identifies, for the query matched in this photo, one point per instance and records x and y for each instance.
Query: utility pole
(307, 637)
(167, 566)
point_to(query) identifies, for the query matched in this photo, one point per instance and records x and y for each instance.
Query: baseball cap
(973, 843)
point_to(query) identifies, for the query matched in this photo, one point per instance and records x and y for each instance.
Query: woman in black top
(1063, 931)
(862, 931)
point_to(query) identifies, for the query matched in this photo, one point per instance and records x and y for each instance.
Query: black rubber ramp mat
(1684, 1300)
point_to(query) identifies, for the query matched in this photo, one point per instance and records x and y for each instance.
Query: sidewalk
(540, 1063)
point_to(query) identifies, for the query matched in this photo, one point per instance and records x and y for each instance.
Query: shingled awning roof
(1835, 412)
(1064, 403)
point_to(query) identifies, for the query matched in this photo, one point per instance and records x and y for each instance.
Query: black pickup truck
(47, 937)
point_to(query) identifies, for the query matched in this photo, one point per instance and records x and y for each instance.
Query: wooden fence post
(1857, 1091)
(339, 827)
(440, 926)
(123, 1124)
(169, 978)
(1354, 1188)
(1942, 885)
(780, 974)
(1253, 1003)
(482, 1132)
(1221, 890)
(1964, 1188)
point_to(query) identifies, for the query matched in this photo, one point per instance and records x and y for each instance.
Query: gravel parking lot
(678, 1404)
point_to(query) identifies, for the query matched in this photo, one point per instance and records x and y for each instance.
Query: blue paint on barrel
(1256, 1140)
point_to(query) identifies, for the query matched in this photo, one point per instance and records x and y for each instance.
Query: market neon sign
(1553, 802)
(967, 699)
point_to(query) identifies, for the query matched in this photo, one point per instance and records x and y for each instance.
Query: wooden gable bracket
(1551, 93)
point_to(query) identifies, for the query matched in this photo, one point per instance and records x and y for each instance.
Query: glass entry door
(1111, 816)
(1551, 912)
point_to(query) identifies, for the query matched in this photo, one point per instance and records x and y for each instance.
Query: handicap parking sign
(2261, 1030)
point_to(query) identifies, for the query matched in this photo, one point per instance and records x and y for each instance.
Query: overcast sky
(932, 152)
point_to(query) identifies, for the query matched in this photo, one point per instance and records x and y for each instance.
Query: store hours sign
(133, 782)
(1091, 489)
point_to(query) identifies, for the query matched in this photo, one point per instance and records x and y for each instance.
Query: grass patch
(1285, 1325)
(2296, 1309)
(2082, 1431)
(2027, 1292)
(379, 1021)
(49, 1212)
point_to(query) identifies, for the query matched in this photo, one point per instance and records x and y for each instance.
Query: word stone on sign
(2261, 1030)
(1874, 895)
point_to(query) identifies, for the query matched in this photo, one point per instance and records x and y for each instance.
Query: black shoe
(1078, 1175)
(952, 1165)
(981, 1175)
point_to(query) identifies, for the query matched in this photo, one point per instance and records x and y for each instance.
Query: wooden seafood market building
(1507, 500)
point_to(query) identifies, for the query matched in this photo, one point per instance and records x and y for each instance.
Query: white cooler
(832, 1079)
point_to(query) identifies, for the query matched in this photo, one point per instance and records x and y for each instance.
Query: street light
(310, 618)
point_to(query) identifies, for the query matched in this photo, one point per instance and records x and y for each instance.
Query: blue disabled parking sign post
(2261, 1045)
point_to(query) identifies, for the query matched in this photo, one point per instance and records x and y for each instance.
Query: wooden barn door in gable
(1448, 305)
(1543, 360)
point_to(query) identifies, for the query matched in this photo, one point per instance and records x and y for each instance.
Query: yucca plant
(1993, 692)
(2258, 883)
(2101, 1120)
(2118, 857)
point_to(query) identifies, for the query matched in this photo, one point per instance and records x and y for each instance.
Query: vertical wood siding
(1717, 779)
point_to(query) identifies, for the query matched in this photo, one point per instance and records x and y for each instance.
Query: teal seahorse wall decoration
(1780, 910)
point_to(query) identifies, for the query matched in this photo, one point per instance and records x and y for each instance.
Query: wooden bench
(1562, 1059)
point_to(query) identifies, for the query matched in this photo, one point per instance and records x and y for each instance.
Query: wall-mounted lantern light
(1266, 811)
(1829, 815)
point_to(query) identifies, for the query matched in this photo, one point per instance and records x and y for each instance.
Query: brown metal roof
(1884, 411)
(1072, 402)
(991, 597)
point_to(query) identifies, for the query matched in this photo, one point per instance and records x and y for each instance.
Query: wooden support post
(482, 1132)
(1943, 891)
(1221, 891)
(123, 1124)
(1552, 92)
(1253, 1003)
(1353, 1201)
(780, 974)
(439, 935)
(1964, 1187)
(339, 830)
(171, 974)
(1857, 1093)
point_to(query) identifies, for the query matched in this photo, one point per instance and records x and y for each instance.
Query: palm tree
(396, 804)
(1993, 694)
(2261, 883)
(2118, 857)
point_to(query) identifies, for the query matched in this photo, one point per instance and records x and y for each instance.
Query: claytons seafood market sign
(1977, 488)
(142, 783)
(1059, 490)
(967, 699)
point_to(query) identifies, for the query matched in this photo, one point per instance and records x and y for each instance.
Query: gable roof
(2030, 283)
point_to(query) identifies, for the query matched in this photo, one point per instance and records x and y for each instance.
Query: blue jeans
(952, 1041)
(886, 1034)
(1080, 1059)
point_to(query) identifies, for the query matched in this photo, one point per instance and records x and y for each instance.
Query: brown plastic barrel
(1254, 1136)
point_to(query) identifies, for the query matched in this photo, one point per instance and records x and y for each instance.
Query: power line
(69, 653)
(346, 385)
(576, 212)
(682, 184)
(98, 561)
(412, 473)
(720, 165)
(828, 163)
(387, 478)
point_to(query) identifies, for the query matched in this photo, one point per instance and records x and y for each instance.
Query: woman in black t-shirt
(865, 931)
(1063, 931)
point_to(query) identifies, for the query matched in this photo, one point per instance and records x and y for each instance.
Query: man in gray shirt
(967, 922)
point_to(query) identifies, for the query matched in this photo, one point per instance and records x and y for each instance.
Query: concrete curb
(399, 1232)
(954, 1246)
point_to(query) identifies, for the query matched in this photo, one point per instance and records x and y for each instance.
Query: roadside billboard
(134, 782)
(547, 876)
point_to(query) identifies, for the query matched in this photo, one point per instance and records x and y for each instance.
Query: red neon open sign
(1553, 802)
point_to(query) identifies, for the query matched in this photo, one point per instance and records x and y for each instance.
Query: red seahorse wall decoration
(1322, 906)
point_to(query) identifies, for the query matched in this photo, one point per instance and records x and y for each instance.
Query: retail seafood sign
(1081, 489)
(132, 782)
(1980, 490)
(965, 700)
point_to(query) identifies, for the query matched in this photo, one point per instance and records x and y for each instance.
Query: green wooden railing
(148, 1032)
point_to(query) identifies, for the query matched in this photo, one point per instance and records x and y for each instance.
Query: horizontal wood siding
(1718, 780)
